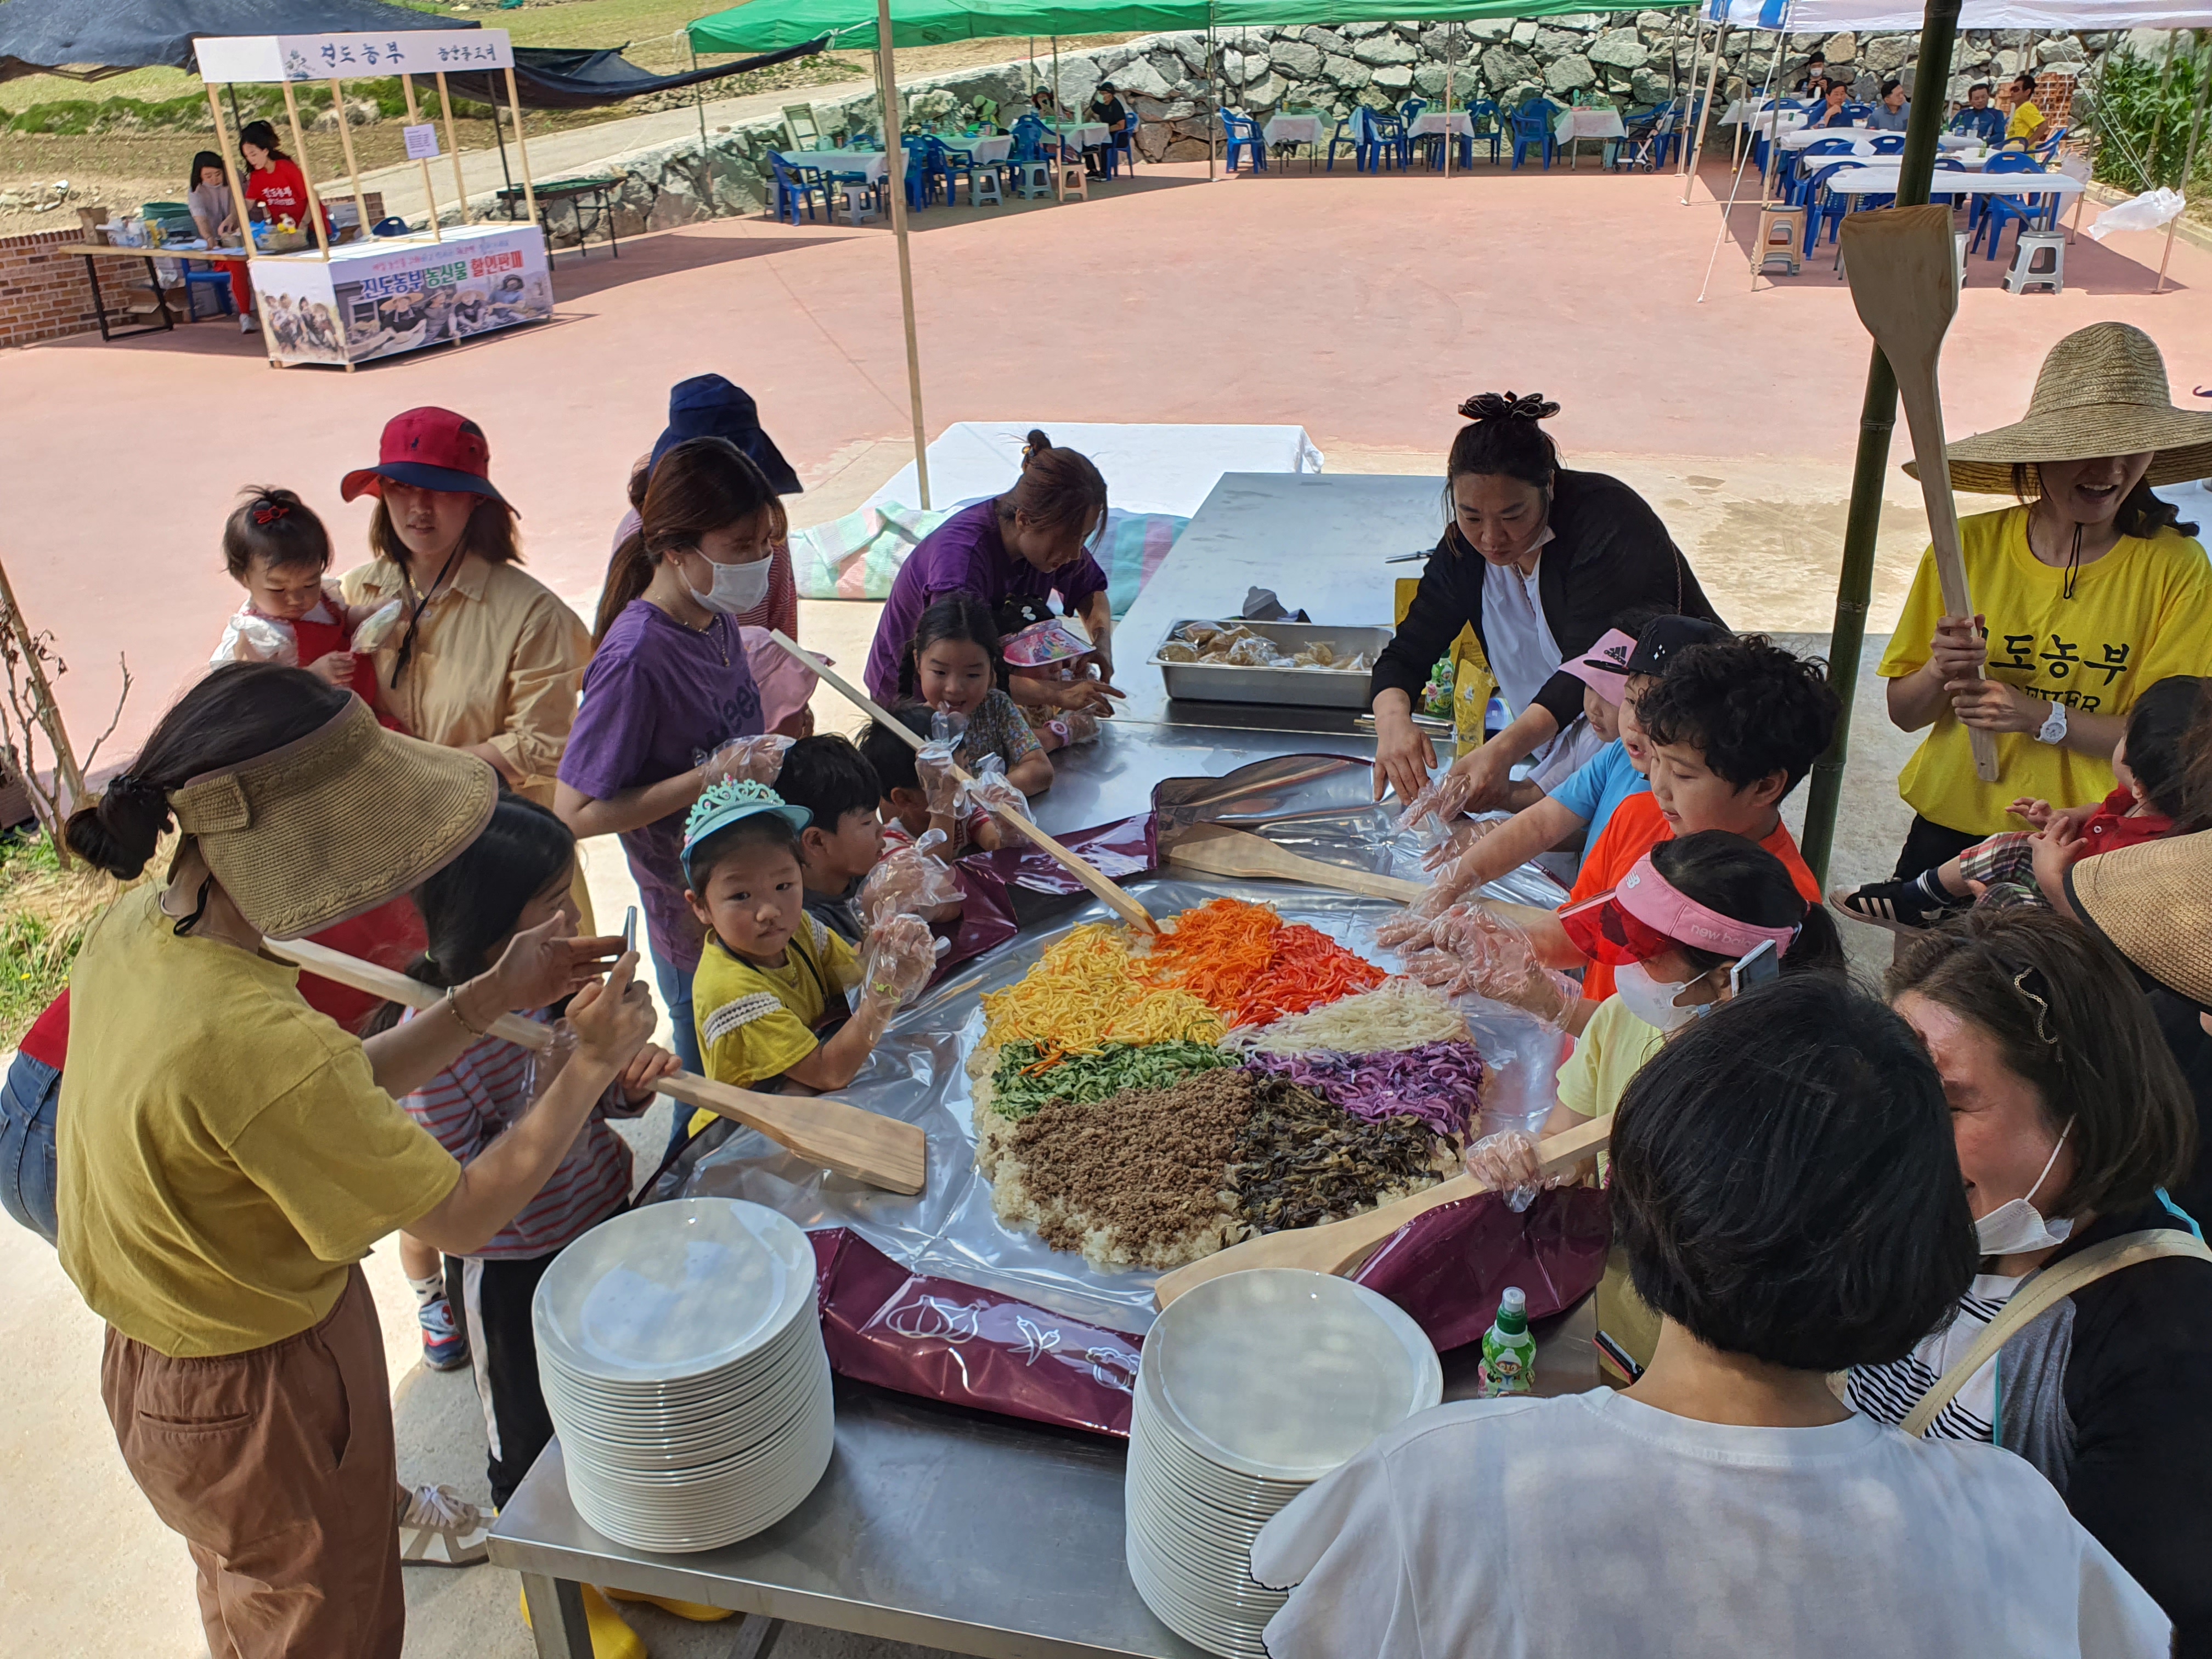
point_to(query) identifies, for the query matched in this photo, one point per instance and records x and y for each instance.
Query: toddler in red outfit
(276, 550)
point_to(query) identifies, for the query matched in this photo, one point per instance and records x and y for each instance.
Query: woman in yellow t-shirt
(2024, 125)
(227, 1155)
(2089, 592)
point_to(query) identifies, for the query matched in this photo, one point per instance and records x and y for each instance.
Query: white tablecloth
(1796, 142)
(1883, 182)
(871, 163)
(1292, 130)
(1573, 124)
(1430, 123)
(1084, 135)
(985, 148)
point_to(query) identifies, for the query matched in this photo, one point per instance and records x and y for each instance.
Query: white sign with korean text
(273, 57)
(422, 142)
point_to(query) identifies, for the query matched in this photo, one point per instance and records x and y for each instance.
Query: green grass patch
(44, 917)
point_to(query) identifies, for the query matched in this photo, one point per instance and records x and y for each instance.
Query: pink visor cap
(1646, 896)
(1604, 666)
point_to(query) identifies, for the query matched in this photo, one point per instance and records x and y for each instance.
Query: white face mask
(737, 587)
(2016, 1226)
(1652, 1000)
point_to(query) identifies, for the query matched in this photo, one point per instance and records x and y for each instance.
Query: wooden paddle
(866, 1145)
(1082, 869)
(1339, 1247)
(1903, 272)
(1220, 850)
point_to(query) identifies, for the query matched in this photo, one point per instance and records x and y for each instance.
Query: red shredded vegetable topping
(1251, 967)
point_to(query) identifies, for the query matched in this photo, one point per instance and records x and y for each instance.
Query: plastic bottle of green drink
(1509, 1353)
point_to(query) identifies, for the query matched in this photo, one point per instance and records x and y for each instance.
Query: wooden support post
(521, 145)
(414, 118)
(314, 196)
(353, 167)
(453, 147)
(1450, 136)
(1693, 143)
(895, 157)
(223, 148)
(1690, 97)
(1058, 138)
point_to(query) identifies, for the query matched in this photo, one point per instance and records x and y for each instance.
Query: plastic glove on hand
(546, 1063)
(932, 766)
(911, 881)
(746, 760)
(1441, 800)
(990, 789)
(1506, 1163)
(896, 959)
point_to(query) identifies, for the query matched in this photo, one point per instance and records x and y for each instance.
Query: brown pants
(277, 1468)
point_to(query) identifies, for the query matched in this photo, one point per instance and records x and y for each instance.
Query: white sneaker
(245, 323)
(438, 1527)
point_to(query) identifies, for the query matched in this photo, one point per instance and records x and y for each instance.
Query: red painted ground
(1363, 308)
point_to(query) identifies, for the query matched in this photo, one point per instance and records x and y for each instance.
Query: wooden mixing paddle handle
(1339, 1247)
(866, 1145)
(1903, 272)
(1220, 850)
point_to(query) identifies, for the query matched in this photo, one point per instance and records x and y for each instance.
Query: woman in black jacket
(1539, 560)
(2072, 1122)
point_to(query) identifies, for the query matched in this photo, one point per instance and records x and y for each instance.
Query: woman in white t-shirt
(2072, 1120)
(1784, 1186)
(216, 218)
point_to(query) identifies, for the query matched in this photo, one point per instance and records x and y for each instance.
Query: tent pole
(414, 118)
(1697, 51)
(1059, 144)
(1212, 96)
(2189, 156)
(894, 148)
(521, 146)
(315, 196)
(1450, 137)
(699, 102)
(499, 137)
(353, 167)
(1695, 144)
(1939, 32)
(230, 172)
(453, 145)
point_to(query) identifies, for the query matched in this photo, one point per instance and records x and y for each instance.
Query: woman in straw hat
(227, 1156)
(2073, 1128)
(2088, 591)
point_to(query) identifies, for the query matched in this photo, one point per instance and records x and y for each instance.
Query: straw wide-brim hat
(335, 824)
(2152, 904)
(2102, 390)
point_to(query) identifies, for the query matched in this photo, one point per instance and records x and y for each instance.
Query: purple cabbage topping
(1439, 1083)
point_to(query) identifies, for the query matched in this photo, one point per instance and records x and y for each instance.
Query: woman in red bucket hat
(479, 656)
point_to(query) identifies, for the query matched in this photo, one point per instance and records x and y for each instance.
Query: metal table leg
(556, 1616)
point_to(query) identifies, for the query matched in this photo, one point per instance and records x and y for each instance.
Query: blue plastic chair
(1122, 146)
(1373, 145)
(1483, 114)
(1821, 207)
(1797, 179)
(928, 174)
(1243, 133)
(1994, 213)
(1949, 164)
(796, 187)
(1391, 135)
(1347, 137)
(200, 279)
(1028, 140)
(1889, 143)
(1532, 129)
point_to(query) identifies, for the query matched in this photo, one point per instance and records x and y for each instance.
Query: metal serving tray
(1309, 688)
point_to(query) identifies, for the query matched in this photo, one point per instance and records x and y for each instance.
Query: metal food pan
(1309, 688)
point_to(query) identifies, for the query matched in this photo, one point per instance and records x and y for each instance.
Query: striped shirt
(479, 1096)
(1889, 1393)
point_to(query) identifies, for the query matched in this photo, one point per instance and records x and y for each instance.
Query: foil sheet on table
(1315, 805)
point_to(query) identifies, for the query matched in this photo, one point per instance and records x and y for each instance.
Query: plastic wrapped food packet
(747, 760)
(911, 880)
(990, 788)
(249, 638)
(376, 629)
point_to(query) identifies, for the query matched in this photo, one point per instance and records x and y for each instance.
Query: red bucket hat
(430, 449)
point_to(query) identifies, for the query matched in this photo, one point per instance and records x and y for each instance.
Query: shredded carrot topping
(1251, 967)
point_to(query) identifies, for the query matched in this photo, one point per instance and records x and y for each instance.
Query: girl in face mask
(2071, 1120)
(669, 685)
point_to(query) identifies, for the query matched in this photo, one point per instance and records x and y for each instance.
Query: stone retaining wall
(1630, 57)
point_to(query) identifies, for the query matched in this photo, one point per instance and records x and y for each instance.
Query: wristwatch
(2054, 725)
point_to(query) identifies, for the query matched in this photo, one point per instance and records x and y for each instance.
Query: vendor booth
(325, 301)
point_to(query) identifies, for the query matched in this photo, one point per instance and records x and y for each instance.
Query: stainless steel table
(935, 1524)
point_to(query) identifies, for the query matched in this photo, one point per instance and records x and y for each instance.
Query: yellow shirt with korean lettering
(2139, 614)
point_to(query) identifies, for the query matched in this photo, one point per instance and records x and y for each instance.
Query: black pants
(1928, 844)
(493, 1299)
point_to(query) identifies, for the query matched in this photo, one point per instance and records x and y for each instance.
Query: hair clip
(2042, 1008)
(1507, 406)
(266, 513)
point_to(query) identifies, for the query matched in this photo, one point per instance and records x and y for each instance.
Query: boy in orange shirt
(1733, 727)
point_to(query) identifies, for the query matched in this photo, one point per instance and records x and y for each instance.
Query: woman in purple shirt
(668, 685)
(1025, 544)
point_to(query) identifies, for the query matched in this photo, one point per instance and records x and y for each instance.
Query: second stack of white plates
(681, 1357)
(1254, 1385)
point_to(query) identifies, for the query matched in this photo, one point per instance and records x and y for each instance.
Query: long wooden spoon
(866, 1145)
(1339, 1247)
(1220, 850)
(1903, 272)
(1115, 898)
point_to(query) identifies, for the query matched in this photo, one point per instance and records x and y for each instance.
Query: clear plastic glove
(1443, 800)
(945, 727)
(746, 760)
(376, 629)
(910, 881)
(546, 1063)
(940, 787)
(1506, 1163)
(249, 638)
(1467, 950)
(990, 788)
(897, 960)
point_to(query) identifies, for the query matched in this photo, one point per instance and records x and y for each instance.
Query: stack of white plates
(1254, 1385)
(681, 1357)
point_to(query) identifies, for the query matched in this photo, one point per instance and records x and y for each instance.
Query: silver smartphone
(1756, 968)
(629, 931)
